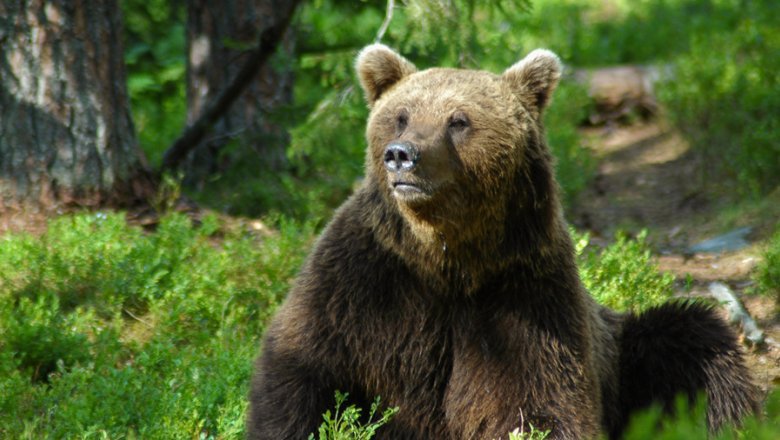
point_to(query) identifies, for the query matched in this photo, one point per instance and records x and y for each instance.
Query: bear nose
(400, 156)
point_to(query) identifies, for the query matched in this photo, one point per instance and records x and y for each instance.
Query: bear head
(461, 153)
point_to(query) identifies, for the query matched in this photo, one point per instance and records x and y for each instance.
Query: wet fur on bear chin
(462, 304)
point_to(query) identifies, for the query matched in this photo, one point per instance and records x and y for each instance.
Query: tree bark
(66, 133)
(220, 39)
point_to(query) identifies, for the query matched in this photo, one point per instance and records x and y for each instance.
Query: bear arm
(292, 388)
(492, 410)
(304, 359)
(509, 372)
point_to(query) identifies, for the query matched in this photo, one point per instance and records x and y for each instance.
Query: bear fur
(447, 284)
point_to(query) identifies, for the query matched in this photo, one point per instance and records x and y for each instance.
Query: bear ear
(534, 78)
(379, 67)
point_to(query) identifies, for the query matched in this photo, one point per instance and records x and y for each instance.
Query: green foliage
(346, 424)
(156, 68)
(456, 32)
(723, 97)
(531, 434)
(327, 118)
(594, 33)
(327, 143)
(689, 423)
(106, 330)
(39, 337)
(110, 331)
(623, 275)
(574, 163)
(768, 273)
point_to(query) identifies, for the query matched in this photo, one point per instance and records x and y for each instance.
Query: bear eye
(402, 121)
(459, 122)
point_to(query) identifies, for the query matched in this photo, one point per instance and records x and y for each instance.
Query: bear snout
(401, 156)
(401, 159)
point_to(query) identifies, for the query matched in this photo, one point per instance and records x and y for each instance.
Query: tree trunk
(66, 134)
(220, 36)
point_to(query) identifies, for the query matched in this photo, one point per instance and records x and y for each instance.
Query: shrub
(346, 424)
(768, 274)
(531, 434)
(108, 331)
(689, 422)
(156, 71)
(623, 275)
(574, 164)
(723, 97)
(39, 338)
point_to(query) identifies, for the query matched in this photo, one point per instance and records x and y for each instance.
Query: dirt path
(647, 178)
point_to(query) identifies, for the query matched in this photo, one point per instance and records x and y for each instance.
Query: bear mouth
(405, 187)
(409, 192)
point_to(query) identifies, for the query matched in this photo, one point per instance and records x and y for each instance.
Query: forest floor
(647, 178)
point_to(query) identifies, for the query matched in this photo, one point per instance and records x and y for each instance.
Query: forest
(166, 165)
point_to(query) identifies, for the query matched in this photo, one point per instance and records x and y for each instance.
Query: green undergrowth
(723, 97)
(345, 423)
(155, 56)
(768, 273)
(574, 164)
(623, 276)
(531, 434)
(107, 331)
(690, 423)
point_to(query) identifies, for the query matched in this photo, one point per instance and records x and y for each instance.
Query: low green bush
(768, 273)
(623, 276)
(531, 434)
(690, 423)
(723, 96)
(108, 331)
(346, 423)
(574, 164)
(155, 56)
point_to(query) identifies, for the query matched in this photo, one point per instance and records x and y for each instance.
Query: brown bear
(447, 284)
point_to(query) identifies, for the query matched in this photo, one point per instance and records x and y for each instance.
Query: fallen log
(737, 313)
(620, 91)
